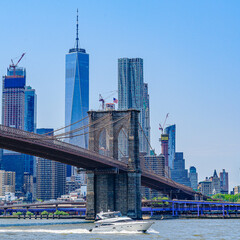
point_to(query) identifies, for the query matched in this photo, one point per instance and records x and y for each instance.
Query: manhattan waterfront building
(224, 181)
(51, 175)
(210, 186)
(77, 95)
(215, 183)
(179, 173)
(18, 111)
(7, 182)
(193, 176)
(205, 187)
(171, 132)
(30, 116)
(133, 93)
(13, 97)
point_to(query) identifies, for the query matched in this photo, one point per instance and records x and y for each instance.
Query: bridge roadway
(47, 147)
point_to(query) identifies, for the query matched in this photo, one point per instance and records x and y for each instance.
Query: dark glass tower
(171, 131)
(30, 109)
(77, 94)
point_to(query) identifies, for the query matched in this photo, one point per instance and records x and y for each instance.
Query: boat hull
(122, 227)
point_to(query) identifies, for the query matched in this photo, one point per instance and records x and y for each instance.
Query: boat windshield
(112, 215)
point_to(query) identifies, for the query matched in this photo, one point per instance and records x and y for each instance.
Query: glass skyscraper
(179, 174)
(171, 131)
(30, 115)
(77, 95)
(133, 93)
(13, 98)
(193, 176)
(18, 111)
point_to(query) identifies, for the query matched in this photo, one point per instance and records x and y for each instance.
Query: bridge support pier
(119, 191)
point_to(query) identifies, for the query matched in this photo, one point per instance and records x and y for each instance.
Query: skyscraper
(164, 146)
(77, 94)
(51, 175)
(179, 173)
(18, 111)
(13, 97)
(30, 113)
(215, 183)
(132, 93)
(30, 122)
(193, 176)
(171, 131)
(224, 181)
(146, 114)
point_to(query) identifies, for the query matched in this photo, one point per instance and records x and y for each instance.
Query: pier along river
(78, 229)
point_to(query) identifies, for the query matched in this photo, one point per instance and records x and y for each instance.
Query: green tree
(17, 213)
(44, 213)
(61, 213)
(29, 213)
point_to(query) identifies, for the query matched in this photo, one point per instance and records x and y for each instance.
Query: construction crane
(15, 65)
(101, 99)
(161, 127)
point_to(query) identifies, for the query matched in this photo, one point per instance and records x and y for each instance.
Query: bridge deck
(53, 149)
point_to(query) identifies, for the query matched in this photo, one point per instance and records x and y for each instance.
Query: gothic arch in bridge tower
(114, 190)
(123, 144)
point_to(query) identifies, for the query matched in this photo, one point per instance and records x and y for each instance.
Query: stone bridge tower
(114, 190)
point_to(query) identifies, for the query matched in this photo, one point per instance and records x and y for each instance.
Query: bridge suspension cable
(80, 128)
(59, 129)
(100, 119)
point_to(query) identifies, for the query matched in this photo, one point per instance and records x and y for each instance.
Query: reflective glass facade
(179, 174)
(171, 131)
(133, 93)
(30, 115)
(77, 95)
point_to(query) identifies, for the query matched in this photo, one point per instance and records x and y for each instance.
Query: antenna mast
(77, 39)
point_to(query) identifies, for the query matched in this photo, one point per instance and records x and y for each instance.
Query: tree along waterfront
(227, 197)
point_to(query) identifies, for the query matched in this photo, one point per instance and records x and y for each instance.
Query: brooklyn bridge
(112, 184)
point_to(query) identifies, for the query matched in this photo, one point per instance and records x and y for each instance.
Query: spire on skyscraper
(77, 39)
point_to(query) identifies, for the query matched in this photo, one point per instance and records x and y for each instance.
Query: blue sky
(191, 59)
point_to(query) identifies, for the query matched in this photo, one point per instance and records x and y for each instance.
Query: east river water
(78, 229)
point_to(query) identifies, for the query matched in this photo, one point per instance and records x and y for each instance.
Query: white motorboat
(114, 221)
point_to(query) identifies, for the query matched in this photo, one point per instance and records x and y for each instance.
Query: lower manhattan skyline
(190, 53)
